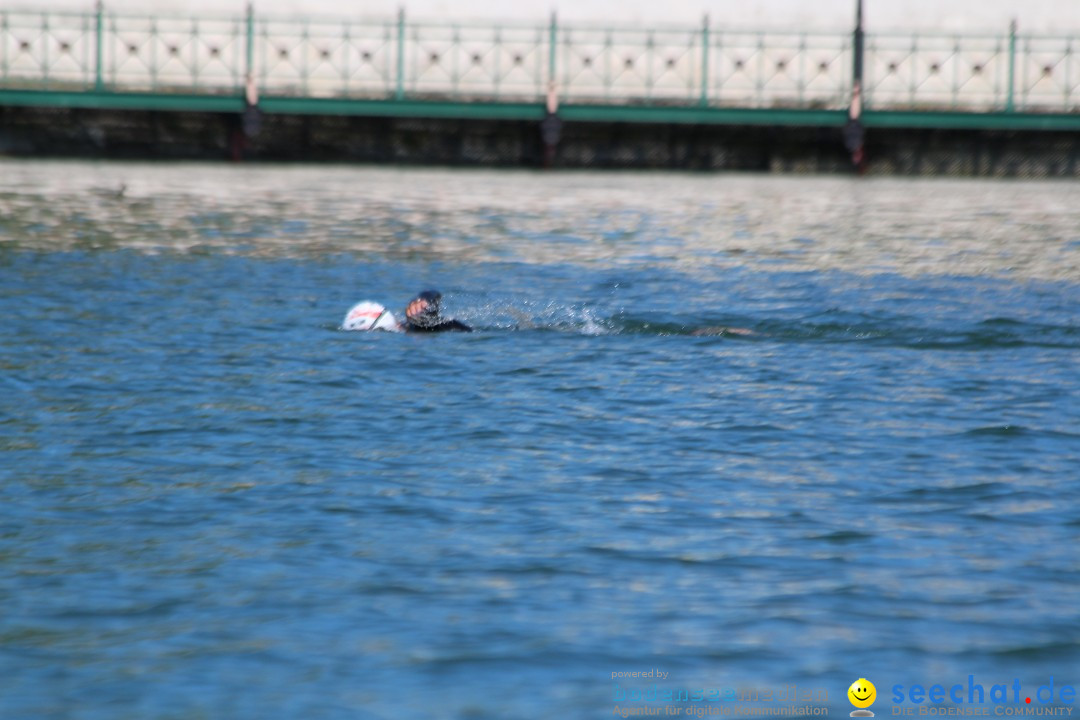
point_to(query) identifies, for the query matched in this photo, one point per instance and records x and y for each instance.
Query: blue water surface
(219, 505)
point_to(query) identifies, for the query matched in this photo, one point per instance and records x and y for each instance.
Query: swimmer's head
(369, 316)
(423, 310)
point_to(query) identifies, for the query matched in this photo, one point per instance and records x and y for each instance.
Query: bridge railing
(1005, 72)
(937, 71)
(1047, 73)
(396, 57)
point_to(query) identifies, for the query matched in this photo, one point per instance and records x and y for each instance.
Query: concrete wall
(51, 132)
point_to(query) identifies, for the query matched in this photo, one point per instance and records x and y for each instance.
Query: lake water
(216, 504)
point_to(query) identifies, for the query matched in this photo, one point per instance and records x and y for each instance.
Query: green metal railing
(1007, 72)
(707, 65)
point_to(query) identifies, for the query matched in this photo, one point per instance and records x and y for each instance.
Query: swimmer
(422, 315)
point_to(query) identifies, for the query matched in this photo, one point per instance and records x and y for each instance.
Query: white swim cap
(370, 316)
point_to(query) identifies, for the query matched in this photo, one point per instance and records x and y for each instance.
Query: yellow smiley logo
(862, 693)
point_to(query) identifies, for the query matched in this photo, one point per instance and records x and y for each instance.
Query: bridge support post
(99, 46)
(1010, 91)
(399, 92)
(248, 125)
(553, 45)
(551, 125)
(704, 99)
(249, 46)
(854, 132)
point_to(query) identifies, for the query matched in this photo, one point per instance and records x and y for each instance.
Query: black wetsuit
(445, 326)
